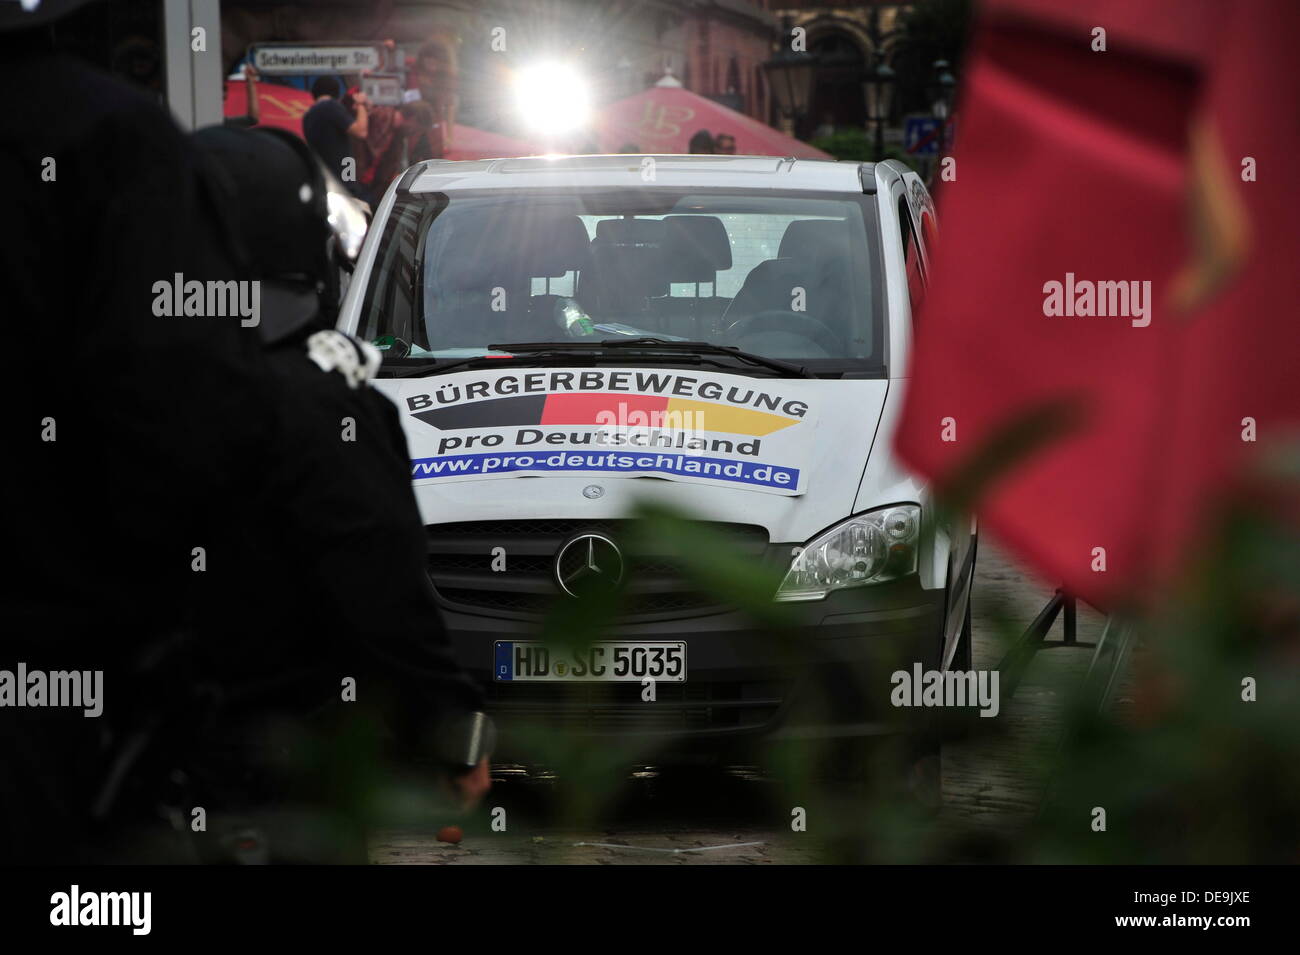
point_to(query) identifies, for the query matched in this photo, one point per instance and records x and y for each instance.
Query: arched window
(837, 98)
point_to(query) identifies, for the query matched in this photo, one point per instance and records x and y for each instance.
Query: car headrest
(644, 234)
(554, 244)
(469, 259)
(628, 257)
(506, 248)
(814, 239)
(696, 248)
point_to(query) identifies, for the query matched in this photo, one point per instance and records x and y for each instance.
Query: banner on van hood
(749, 433)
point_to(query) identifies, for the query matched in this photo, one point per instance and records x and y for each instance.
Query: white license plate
(522, 661)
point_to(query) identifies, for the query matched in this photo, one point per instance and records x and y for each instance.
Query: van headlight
(866, 549)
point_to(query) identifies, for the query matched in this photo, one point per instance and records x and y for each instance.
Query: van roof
(625, 170)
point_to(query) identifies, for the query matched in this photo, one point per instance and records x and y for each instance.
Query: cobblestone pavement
(992, 781)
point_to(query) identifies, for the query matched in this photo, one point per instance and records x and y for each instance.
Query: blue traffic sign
(921, 135)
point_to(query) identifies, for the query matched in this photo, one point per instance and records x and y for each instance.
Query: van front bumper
(827, 676)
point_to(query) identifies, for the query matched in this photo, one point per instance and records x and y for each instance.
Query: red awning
(470, 143)
(664, 118)
(280, 106)
(284, 106)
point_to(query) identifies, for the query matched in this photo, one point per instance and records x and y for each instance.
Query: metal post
(1013, 665)
(1102, 678)
(193, 76)
(1109, 657)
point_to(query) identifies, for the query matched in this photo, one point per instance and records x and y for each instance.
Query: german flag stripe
(589, 409)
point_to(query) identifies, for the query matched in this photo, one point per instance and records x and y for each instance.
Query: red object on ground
(1083, 162)
(452, 834)
(664, 118)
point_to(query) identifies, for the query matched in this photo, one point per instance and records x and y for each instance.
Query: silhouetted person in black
(701, 142)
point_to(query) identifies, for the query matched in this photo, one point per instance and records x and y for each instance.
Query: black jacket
(158, 422)
(338, 580)
(174, 434)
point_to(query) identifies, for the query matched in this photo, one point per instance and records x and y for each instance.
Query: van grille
(618, 708)
(460, 566)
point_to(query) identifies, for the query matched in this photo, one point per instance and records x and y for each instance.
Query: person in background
(725, 144)
(252, 112)
(701, 142)
(434, 76)
(381, 136)
(418, 119)
(380, 123)
(398, 138)
(327, 126)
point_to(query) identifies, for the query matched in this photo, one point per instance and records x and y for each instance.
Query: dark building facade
(714, 47)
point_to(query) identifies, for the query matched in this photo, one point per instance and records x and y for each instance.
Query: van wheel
(963, 661)
(964, 658)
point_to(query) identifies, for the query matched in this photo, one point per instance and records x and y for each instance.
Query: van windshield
(784, 276)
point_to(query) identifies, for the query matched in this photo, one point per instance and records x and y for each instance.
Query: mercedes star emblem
(587, 563)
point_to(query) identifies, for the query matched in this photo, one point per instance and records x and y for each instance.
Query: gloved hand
(469, 788)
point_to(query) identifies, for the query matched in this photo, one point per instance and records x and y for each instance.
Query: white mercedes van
(568, 338)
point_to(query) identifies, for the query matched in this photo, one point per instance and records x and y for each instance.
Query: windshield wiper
(565, 356)
(419, 371)
(694, 353)
(651, 344)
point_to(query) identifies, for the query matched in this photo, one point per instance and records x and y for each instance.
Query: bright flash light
(552, 97)
(347, 222)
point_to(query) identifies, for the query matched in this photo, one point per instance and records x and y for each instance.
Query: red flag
(1162, 166)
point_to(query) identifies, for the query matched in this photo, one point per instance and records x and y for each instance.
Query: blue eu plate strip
(504, 667)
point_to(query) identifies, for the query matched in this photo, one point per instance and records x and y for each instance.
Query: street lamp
(790, 75)
(945, 85)
(879, 92)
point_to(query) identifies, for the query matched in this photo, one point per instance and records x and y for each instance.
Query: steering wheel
(779, 320)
